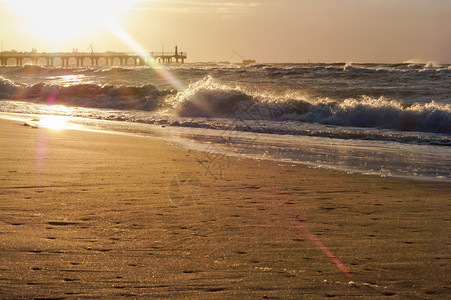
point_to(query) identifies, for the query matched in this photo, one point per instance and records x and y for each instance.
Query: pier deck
(109, 58)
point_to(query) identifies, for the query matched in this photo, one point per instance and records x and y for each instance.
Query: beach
(225, 149)
(89, 214)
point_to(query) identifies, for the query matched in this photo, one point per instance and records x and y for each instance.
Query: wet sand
(86, 214)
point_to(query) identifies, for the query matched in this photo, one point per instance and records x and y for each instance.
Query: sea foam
(209, 98)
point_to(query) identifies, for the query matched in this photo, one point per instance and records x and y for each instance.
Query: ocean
(390, 120)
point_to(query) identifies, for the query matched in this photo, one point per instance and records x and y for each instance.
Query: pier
(108, 58)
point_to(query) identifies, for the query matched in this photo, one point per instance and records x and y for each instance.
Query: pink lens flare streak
(304, 230)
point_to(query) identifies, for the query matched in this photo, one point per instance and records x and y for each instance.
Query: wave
(342, 70)
(7, 88)
(146, 97)
(41, 71)
(350, 68)
(208, 98)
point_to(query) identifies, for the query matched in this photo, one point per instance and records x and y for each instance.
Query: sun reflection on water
(69, 80)
(55, 122)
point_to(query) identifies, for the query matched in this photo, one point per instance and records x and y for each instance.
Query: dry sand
(86, 214)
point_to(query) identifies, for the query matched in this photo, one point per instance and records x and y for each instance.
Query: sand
(85, 215)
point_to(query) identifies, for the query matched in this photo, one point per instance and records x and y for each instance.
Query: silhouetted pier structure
(78, 58)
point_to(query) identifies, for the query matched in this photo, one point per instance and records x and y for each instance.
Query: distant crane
(245, 61)
(91, 47)
(94, 60)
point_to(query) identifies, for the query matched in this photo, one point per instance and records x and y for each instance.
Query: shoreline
(185, 137)
(92, 214)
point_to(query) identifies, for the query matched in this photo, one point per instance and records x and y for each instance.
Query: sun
(62, 21)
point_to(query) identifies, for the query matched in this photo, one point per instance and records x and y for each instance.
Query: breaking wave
(208, 98)
(146, 97)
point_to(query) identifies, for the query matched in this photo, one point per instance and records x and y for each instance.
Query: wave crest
(208, 98)
(146, 97)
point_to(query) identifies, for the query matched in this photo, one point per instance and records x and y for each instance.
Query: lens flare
(150, 61)
(320, 246)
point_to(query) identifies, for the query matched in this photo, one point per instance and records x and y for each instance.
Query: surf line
(303, 229)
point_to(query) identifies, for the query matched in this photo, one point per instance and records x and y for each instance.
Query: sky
(216, 30)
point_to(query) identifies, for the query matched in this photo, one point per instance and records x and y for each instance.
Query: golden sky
(265, 30)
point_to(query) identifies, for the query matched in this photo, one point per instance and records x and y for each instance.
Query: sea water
(379, 119)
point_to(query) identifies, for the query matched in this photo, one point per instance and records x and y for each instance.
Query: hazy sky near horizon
(268, 31)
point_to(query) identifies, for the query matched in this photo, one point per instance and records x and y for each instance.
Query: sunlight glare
(55, 122)
(61, 21)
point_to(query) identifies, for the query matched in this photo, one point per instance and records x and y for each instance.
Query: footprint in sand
(61, 223)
